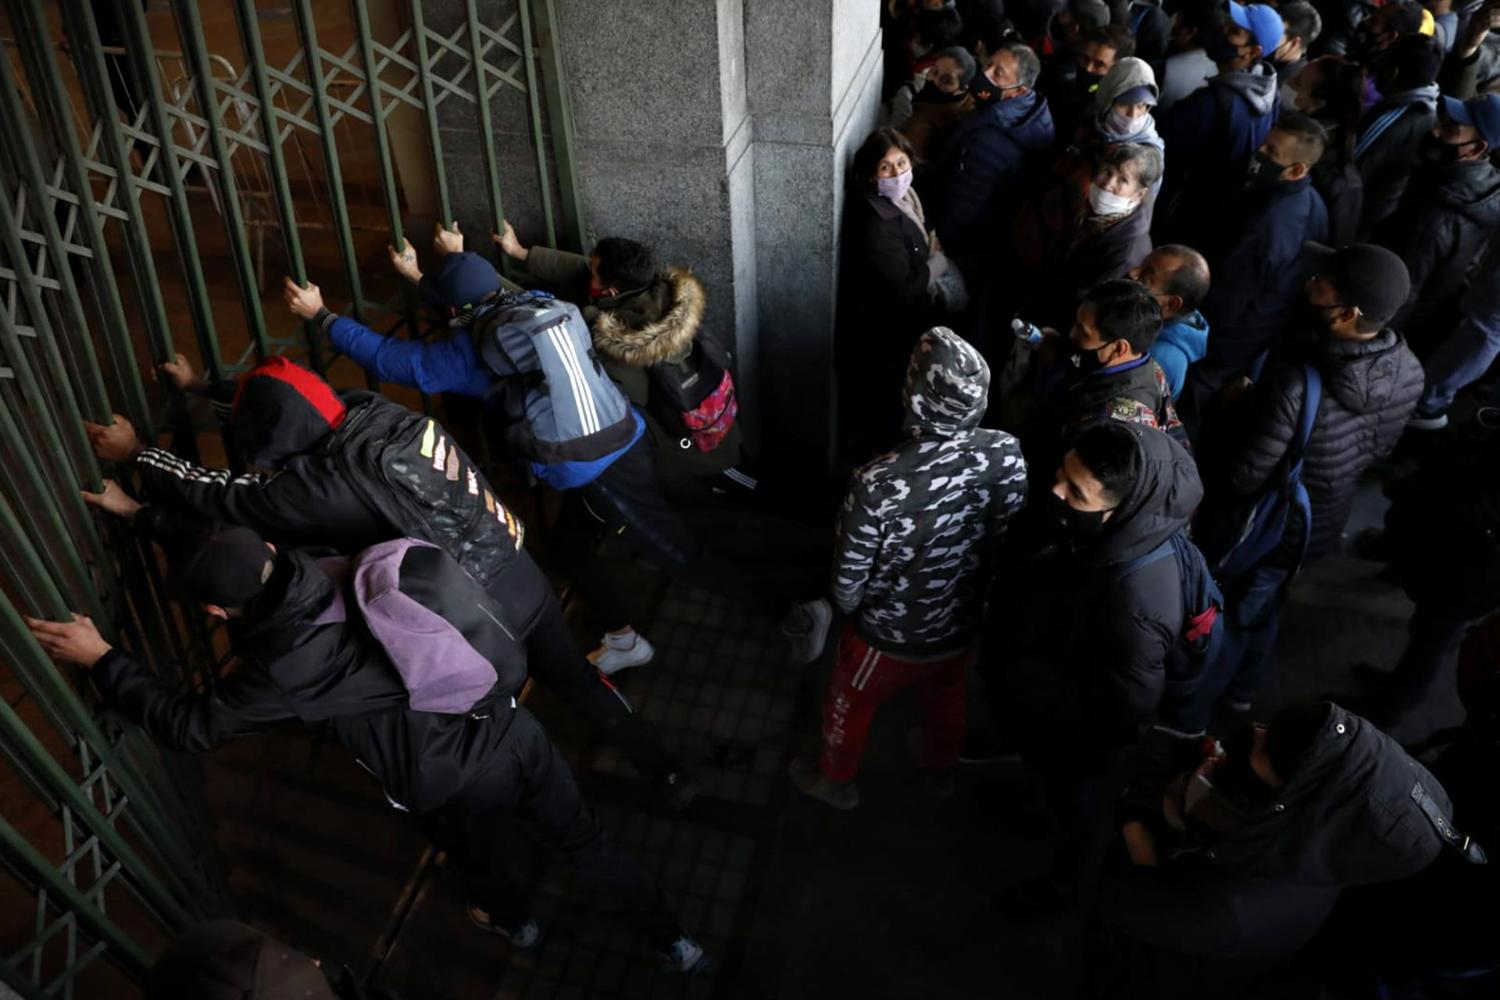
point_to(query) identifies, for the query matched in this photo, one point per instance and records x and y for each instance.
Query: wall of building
(718, 131)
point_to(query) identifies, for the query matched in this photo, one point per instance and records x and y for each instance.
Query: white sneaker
(1435, 422)
(806, 630)
(686, 956)
(616, 653)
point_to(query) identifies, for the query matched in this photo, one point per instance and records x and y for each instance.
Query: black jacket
(1446, 217)
(1345, 817)
(1389, 161)
(1443, 533)
(1370, 389)
(291, 670)
(1079, 650)
(1135, 393)
(355, 487)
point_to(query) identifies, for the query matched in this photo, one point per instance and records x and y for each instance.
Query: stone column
(717, 131)
(814, 74)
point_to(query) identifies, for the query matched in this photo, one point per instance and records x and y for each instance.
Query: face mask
(1262, 171)
(1289, 97)
(1118, 127)
(1107, 203)
(894, 188)
(984, 92)
(930, 94)
(1438, 152)
(1221, 50)
(1074, 521)
(1088, 361)
(1087, 81)
(1314, 320)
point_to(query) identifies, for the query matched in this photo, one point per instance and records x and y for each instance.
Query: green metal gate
(162, 165)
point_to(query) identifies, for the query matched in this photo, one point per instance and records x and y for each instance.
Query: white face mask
(1118, 126)
(1289, 97)
(1107, 203)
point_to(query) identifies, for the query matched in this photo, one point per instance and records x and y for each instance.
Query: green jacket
(633, 331)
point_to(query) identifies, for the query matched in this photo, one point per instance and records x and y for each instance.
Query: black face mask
(1220, 49)
(1437, 152)
(930, 94)
(1074, 521)
(1313, 322)
(1263, 172)
(1085, 82)
(984, 92)
(1088, 362)
(1234, 776)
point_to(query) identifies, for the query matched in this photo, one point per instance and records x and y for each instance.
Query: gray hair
(966, 65)
(1147, 159)
(1028, 66)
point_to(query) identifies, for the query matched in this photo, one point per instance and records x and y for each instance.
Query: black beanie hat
(229, 569)
(1291, 732)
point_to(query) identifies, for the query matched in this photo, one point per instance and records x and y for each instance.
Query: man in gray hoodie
(916, 540)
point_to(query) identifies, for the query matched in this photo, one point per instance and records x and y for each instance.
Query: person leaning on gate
(352, 469)
(615, 491)
(465, 767)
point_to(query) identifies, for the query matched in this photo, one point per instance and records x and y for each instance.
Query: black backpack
(695, 396)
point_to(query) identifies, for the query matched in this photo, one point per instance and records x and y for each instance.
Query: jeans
(1459, 360)
(529, 780)
(1251, 620)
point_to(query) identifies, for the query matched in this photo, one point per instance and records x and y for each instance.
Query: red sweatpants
(864, 678)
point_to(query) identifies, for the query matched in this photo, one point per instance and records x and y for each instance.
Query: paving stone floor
(793, 899)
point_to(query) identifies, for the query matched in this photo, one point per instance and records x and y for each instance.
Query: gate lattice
(139, 184)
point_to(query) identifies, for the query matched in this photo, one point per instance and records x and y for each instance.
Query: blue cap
(1262, 21)
(1482, 113)
(465, 279)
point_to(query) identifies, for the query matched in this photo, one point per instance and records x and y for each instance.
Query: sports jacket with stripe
(348, 490)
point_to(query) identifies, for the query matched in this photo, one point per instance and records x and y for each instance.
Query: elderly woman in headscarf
(1121, 114)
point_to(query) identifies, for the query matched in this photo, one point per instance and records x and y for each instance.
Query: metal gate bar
(83, 312)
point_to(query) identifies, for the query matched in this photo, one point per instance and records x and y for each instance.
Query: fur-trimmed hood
(655, 324)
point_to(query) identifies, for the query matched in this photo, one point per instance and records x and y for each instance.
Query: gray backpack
(445, 635)
(558, 406)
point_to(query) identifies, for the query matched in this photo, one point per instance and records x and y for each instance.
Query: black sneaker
(523, 938)
(979, 747)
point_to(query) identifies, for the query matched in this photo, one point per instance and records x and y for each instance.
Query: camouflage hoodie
(920, 523)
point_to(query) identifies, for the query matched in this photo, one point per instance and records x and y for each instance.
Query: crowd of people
(1134, 297)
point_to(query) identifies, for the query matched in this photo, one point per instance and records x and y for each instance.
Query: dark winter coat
(338, 491)
(1370, 388)
(292, 670)
(1343, 191)
(1258, 278)
(639, 328)
(1443, 533)
(885, 292)
(1079, 651)
(1135, 393)
(1088, 251)
(1345, 817)
(919, 527)
(986, 168)
(1212, 133)
(1446, 219)
(1387, 162)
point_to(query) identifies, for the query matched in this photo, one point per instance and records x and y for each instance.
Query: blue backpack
(1267, 523)
(1202, 623)
(559, 407)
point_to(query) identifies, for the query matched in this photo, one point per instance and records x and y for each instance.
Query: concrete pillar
(814, 75)
(717, 131)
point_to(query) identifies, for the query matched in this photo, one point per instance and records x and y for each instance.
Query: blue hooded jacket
(986, 165)
(1182, 341)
